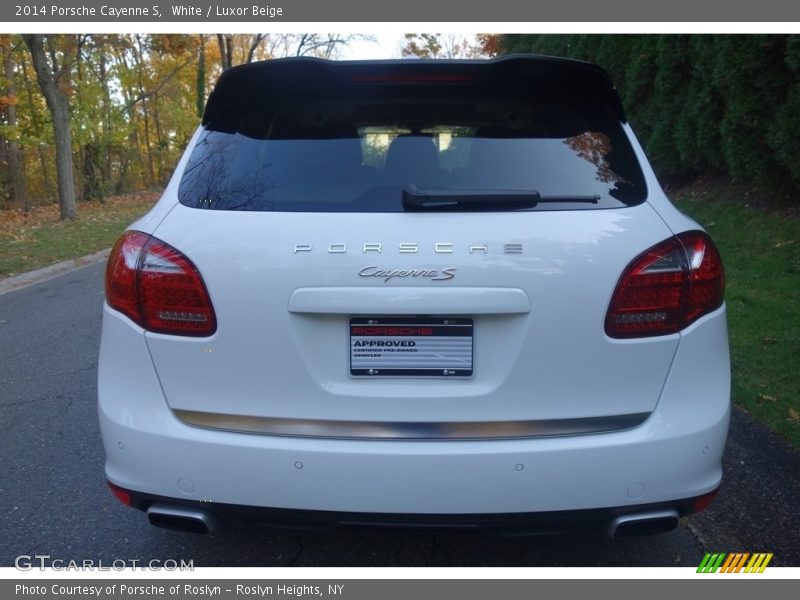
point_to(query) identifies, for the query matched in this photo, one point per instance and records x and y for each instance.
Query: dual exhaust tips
(180, 518)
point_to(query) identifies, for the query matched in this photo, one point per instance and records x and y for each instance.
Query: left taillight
(158, 287)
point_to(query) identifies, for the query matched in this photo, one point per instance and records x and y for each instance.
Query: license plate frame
(426, 346)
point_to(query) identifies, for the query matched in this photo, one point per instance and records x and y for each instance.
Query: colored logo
(735, 562)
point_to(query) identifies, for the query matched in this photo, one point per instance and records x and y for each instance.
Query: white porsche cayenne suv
(415, 294)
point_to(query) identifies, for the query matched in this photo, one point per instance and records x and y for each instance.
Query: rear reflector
(667, 287)
(122, 495)
(702, 502)
(158, 287)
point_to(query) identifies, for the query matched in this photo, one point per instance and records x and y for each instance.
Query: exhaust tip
(649, 523)
(178, 518)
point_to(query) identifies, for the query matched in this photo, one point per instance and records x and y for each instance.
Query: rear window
(358, 154)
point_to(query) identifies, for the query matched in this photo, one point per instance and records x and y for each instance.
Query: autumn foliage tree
(448, 45)
(52, 68)
(10, 151)
(86, 116)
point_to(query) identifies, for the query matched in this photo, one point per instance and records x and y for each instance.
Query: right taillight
(667, 287)
(158, 287)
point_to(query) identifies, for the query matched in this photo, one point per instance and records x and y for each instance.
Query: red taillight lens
(667, 287)
(158, 287)
(707, 277)
(121, 273)
(172, 295)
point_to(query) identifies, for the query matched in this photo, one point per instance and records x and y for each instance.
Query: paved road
(53, 497)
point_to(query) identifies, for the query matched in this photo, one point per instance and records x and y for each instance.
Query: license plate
(410, 347)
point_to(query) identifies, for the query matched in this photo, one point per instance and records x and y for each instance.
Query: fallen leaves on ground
(17, 225)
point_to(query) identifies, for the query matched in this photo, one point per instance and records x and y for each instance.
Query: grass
(761, 253)
(38, 238)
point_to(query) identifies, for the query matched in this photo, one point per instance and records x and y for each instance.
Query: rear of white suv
(415, 293)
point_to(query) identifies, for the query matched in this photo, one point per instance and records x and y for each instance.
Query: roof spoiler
(288, 78)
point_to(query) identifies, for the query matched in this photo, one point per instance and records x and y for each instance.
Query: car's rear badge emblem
(389, 274)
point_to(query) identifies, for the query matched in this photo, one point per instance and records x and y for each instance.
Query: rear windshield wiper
(415, 198)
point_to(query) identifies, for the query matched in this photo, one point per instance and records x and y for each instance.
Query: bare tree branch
(256, 42)
(153, 91)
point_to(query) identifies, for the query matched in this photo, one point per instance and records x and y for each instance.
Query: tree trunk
(18, 194)
(89, 169)
(133, 150)
(120, 188)
(160, 142)
(151, 174)
(105, 144)
(254, 44)
(139, 59)
(58, 105)
(200, 99)
(37, 130)
(225, 42)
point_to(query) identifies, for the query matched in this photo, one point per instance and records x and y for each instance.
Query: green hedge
(725, 104)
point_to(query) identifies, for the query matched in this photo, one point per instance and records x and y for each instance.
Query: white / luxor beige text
(217, 10)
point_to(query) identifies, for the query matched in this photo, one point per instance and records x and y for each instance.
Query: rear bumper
(622, 521)
(674, 455)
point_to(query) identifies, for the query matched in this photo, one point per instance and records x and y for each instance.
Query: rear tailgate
(290, 207)
(282, 346)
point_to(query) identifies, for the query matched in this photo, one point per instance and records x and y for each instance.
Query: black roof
(286, 78)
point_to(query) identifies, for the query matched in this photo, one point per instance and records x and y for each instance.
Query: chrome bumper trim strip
(465, 430)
